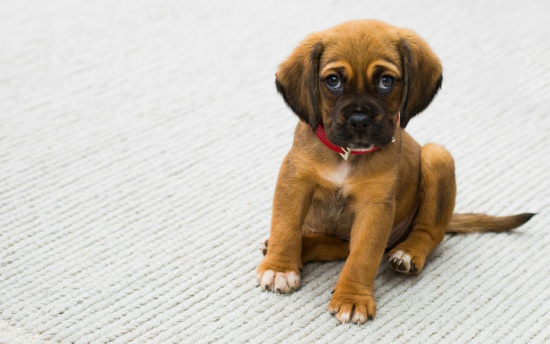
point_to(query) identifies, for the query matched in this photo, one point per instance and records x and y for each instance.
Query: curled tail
(468, 223)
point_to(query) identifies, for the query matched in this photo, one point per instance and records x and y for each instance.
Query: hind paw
(405, 261)
(263, 247)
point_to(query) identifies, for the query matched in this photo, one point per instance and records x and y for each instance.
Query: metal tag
(346, 153)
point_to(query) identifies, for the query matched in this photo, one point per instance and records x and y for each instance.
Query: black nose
(359, 122)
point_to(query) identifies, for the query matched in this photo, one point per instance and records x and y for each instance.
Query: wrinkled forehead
(360, 55)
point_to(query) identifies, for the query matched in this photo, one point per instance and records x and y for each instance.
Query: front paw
(277, 277)
(354, 306)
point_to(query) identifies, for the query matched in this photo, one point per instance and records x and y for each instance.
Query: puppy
(355, 184)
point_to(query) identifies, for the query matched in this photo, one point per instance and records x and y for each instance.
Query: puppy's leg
(437, 200)
(280, 269)
(319, 248)
(353, 299)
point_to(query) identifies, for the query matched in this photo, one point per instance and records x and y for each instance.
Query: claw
(401, 266)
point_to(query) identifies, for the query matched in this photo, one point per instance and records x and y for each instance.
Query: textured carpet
(139, 148)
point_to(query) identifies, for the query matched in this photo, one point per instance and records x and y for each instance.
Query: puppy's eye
(334, 82)
(386, 82)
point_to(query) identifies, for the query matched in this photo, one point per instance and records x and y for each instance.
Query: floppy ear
(423, 75)
(297, 80)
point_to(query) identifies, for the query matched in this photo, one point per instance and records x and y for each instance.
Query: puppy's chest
(337, 175)
(335, 191)
(330, 212)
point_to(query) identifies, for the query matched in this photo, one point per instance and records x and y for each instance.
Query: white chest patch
(337, 175)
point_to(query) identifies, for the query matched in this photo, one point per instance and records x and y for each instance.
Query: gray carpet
(139, 148)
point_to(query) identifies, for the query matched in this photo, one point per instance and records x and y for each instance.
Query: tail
(469, 223)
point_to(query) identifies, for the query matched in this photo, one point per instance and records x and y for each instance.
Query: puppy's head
(356, 77)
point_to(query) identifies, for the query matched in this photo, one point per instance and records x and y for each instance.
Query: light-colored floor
(139, 148)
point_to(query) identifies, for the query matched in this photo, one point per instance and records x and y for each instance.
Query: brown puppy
(355, 87)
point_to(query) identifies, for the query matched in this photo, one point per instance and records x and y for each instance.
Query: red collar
(343, 151)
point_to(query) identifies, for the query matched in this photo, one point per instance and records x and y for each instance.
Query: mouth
(357, 142)
(361, 147)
